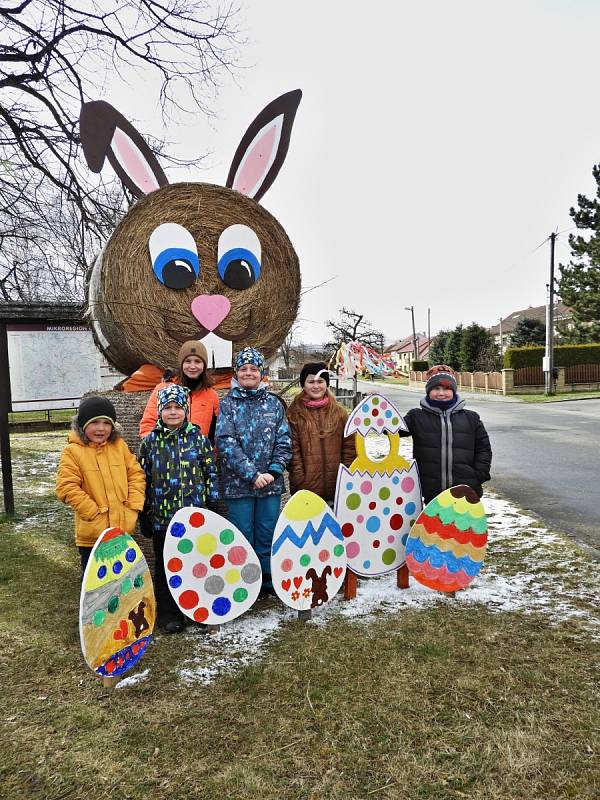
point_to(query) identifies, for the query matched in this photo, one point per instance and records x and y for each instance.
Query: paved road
(546, 457)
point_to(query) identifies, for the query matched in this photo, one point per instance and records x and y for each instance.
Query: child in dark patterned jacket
(253, 441)
(180, 470)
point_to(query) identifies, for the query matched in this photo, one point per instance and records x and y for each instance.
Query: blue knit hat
(250, 355)
(173, 393)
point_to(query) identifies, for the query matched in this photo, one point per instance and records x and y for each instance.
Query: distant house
(403, 351)
(562, 315)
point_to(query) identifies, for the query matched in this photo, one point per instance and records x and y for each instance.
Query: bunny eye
(174, 255)
(238, 257)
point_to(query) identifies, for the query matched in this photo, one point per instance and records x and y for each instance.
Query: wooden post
(402, 577)
(5, 407)
(350, 585)
(305, 615)
(213, 628)
(109, 682)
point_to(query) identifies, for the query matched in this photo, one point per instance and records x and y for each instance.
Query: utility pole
(548, 364)
(501, 351)
(412, 312)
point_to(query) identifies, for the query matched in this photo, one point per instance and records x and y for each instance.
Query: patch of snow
(132, 680)
(534, 589)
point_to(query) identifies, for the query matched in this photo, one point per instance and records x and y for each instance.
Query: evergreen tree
(437, 348)
(452, 348)
(528, 331)
(476, 345)
(579, 284)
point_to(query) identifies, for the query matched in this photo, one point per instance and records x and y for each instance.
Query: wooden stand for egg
(109, 683)
(351, 581)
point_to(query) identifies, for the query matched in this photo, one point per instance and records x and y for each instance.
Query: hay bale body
(137, 320)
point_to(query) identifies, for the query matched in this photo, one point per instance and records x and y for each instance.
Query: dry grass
(450, 701)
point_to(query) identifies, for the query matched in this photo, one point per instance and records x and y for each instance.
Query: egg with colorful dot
(308, 556)
(117, 608)
(212, 571)
(446, 546)
(376, 510)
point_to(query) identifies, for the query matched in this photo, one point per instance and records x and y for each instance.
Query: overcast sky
(436, 146)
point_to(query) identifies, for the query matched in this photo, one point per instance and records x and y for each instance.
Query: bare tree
(54, 56)
(353, 327)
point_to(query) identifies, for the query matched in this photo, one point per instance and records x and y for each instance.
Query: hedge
(419, 366)
(565, 355)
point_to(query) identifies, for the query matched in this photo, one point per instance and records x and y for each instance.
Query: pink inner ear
(257, 162)
(133, 162)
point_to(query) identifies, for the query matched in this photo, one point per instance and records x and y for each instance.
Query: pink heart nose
(210, 309)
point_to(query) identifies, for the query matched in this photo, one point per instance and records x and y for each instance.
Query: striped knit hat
(440, 375)
(173, 393)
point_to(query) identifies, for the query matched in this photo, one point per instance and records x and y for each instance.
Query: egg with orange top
(446, 546)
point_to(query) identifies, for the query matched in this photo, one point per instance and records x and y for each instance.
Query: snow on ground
(536, 583)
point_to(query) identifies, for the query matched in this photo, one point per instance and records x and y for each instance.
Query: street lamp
(412, 312)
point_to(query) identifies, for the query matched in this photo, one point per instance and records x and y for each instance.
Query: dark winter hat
(318, 368)
(173, 393)
(93, 408)
(250, 355)
(440, 375)
(192, 348)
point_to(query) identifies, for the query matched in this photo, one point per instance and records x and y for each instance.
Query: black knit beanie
(314, 369)
(92, 408)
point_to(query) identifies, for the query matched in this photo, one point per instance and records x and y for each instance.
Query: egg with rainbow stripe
(446, 546)
(212, 570)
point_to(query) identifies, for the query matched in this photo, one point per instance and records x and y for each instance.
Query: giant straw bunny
(191, 260)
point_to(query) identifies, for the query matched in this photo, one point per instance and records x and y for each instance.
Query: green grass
(55, 414)
(542, 398)
(448, 701)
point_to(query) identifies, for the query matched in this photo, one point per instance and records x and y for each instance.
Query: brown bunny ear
(262, 151)
(106, 133)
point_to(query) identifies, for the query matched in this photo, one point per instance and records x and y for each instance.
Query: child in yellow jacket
(98, 476)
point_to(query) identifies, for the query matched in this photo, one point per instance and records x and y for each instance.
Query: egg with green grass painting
(117, 608)
(308, 556)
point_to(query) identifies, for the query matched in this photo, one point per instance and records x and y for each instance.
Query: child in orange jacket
(98, 476)
(203, 400)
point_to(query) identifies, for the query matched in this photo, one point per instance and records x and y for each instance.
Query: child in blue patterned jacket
(180, 471)
(254, 446)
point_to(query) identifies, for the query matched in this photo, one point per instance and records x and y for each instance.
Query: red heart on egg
(297, 582)
(121, 631)
(286, 584)
(337, 571)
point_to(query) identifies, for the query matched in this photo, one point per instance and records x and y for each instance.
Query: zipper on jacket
(445, 441)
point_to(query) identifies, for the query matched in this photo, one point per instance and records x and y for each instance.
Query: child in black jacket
(450, 443)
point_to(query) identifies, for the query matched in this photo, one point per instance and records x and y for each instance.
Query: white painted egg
(212, 571)
(376, 511)
(308, 557)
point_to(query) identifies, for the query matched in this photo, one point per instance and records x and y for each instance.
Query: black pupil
(178, 274)
(238, 274)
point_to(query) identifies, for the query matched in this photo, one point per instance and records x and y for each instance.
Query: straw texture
(138, 320)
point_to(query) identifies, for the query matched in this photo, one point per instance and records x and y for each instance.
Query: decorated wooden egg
(117, 609)
(376, 511)
(376, 502)
(446, 546)
(308, 557)
(212, 571)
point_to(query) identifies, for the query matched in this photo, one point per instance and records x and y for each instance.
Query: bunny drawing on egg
(191, 260)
